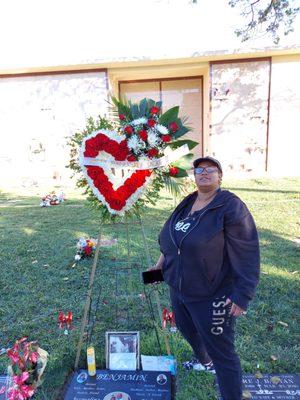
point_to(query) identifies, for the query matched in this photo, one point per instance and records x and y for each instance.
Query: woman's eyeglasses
(209, 170)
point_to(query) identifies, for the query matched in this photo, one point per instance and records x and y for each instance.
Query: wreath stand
(84, 334)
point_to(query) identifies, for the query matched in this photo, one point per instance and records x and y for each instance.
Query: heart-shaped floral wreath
(130, 155)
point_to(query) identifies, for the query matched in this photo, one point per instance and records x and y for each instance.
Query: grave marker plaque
(288, 388)
(119, 385)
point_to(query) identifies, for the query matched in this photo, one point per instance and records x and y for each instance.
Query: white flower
(81, 243)
(153, 139)
(162, 129)
(135, 144)
(77, 257)
(139, 121)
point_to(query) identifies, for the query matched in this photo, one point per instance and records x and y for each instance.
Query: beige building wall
(37, 114)
(167, 71)
(284, 125)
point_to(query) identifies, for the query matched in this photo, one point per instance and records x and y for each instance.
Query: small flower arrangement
(85, 248)
(148, 131)
(52, 199)
(27, 364)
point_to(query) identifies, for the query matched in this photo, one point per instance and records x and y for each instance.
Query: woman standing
(210, 260)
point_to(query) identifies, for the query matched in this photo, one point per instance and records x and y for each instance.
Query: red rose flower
(173, 171)
(152, 152)
(151, 122)
(173, 126)
(131, 157)
(166, 138)
(143, 135)
(90, 152)
(92, 142)
(102, 140)
(129, 129)
(154, 110)
(92, 171)
(116, 204)
(111, 147)
(122, 117)
(123, 193)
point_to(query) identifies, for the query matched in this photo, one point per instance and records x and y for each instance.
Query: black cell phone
(152, 276)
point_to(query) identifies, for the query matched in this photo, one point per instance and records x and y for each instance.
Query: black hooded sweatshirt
(220, 250)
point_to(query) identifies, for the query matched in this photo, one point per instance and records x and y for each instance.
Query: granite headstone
(119, 385)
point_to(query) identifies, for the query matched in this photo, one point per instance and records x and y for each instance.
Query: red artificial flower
(143, 135)
(173, 126)
(123, 193)
(92, 142)
(13, 354)
(122, 151)
(151, 122)
(173, 171)
(90, 152)
(112, 147)
(129, 129)
(131, 157)
(20, 391)
(87, 250)
(122, 117)
(116, 204)
(101, 140)
(166, 138)
(154, 110)
(152, 152)
(92, 171)
(33, 357)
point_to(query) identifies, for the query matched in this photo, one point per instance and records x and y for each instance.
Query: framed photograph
(122, 350)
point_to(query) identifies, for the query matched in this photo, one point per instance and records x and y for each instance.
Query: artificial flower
(162, 129)
(173, 171)
(152, 152)
(154, 110)
(122, 117)
(166, 138)
(131, 157)
(135, 144)
(153, 139)
(143, 135)
(139, 121)
(151, 122)
(129, 129)
(173, 126)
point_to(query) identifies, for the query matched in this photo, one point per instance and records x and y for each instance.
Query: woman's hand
(235, 310)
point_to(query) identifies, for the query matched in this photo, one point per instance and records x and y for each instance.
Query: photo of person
(122, 350)
(122, 344)
(117, 396)
(161, 379)
(82, 377)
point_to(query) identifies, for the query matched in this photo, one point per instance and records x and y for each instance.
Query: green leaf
(151, 103)
(191, 144)
(135, 111)
(181, 173)
(181, 131)
(184, 162)
(172, 186)
(169, 116)
(143, 107)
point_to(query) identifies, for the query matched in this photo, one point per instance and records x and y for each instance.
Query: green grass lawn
(37, 280)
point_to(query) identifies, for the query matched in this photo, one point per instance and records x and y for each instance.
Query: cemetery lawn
(38, 278)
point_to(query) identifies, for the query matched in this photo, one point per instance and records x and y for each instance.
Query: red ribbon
(168, 316)
(65, 320)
